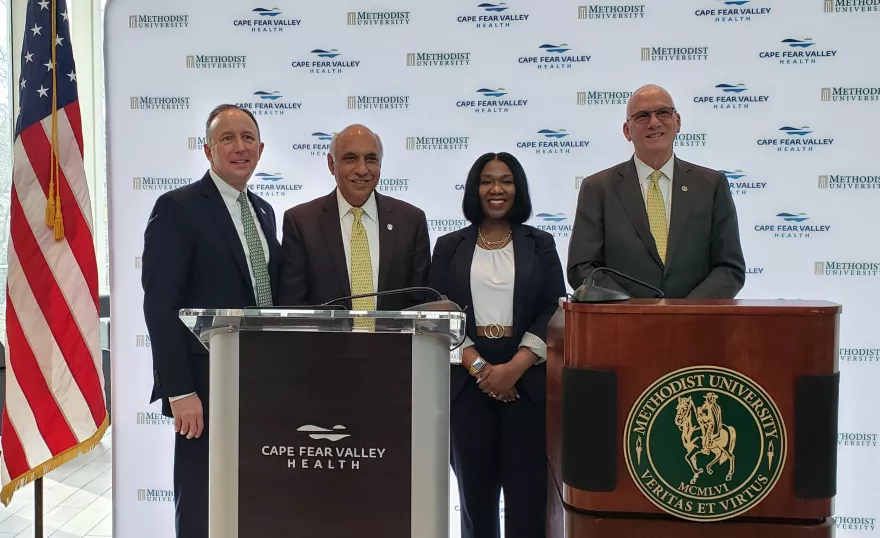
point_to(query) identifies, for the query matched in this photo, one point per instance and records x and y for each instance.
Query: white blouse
(492, 280)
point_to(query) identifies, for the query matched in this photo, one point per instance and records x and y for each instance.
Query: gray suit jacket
(704, 256)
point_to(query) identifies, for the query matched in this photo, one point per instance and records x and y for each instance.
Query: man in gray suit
(656, 218)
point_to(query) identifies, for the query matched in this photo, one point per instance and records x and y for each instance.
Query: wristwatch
(477, 366)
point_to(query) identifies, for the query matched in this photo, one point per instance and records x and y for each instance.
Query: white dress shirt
(665, 183)
(492, 279)
(370, 220)
(230, 200)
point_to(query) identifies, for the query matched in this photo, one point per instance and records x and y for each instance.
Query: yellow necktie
(361, 270)
(657, 214)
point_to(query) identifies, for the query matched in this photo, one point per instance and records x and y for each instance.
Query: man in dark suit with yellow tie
(211, 244)
(657, 218)
(354, 240)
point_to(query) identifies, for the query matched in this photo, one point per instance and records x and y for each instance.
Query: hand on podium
(188, 416)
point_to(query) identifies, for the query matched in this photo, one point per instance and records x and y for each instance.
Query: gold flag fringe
(47, 467)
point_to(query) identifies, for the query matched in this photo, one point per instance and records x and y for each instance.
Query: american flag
(55, 408)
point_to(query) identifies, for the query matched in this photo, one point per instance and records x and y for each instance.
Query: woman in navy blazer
(509, 277)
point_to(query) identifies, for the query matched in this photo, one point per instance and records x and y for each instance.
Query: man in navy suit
(211, 244)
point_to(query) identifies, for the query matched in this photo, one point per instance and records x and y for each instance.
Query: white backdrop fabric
(782, 95)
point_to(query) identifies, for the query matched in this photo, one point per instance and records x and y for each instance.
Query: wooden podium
(650, 403)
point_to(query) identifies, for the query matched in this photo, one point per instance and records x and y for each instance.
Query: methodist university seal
(705, 443)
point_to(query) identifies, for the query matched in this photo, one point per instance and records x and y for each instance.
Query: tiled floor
(76, 500)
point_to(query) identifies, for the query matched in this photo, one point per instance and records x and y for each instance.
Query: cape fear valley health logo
(437, 143)
(269, 103)
(555, 57)
(377, 102)
(216, 61)
(605, 12)
(146, 102)
(846, 268)
(554, 142)
(154, 183)
(317, 146)
(556, 224)
(325, 62)
(691, 140)
(793, 226)
(494, 15)
(148, 418)
(859, 355)
(860, 524)
(155, 495)
(728, 11)
(324, 457)
(796, 139)
(674, 54)
(740, 185)
(438, 59)
(852, 6)
(491, 101)
(377, 18)
(731, 96)
(150, 22)
(266, 20)
(794, 51)
(850, 95)
(847, 182)
(272, 185)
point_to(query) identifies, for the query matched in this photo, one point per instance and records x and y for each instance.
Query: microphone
(440, 297)
(590, 293)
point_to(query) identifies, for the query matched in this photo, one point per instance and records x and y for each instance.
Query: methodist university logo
(705, 443)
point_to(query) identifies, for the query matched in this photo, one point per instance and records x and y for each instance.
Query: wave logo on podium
(705, 443)
(493, 16)
(325, 62)
(733, 11)
(266, 20)
(317, 145)
(555, 224)
(491, 101)
(739, 184)
(555, 56)
(607, 12)
(793, 226)
(554, 142)
(795, 139)
(731, 97)
(798, 51)
(317, 432)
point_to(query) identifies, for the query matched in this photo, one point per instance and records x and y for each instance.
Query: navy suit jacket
(193, 258)
(538, 285)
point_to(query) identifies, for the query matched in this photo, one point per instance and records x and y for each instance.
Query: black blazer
(314, 270)
(538, 285)
(704, 258)
(193, 258)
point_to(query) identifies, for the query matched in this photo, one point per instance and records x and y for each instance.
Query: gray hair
(379, 149)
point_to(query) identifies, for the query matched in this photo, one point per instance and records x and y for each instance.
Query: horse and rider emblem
(705, 443)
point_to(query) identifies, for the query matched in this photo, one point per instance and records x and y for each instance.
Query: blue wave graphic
(736, 174)
(789, 217)
(323, 136)
(332, 53)
(563, 47)
(269, 95)
(732, 88)
(268, 12)
(801, 43)
(501, 6)
(492, 93)
(269, 177)
(550, 217)
(794, 131)
(550, 133)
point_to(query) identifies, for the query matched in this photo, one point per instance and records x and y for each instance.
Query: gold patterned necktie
(657, 214)
(257, 256)
(361, 270)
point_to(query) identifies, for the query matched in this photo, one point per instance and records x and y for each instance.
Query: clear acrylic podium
(319, 428)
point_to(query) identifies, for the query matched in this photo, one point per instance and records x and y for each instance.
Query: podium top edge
(319, 313)
(709, 307)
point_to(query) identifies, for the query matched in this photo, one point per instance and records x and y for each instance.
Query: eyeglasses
(644, 116)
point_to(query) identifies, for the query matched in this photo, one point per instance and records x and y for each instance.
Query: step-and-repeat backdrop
(783, 96)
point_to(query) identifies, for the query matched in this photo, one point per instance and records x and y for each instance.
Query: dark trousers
(499, 446)
(191, 485)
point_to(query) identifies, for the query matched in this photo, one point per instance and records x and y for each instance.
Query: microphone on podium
(588, 292)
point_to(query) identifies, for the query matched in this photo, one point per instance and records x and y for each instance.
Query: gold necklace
(494, 244)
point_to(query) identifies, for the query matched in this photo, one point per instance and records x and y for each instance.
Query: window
(5, 151)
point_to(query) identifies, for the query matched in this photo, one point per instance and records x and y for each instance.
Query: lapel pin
(390, 227)
(684, 188)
